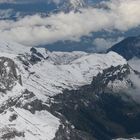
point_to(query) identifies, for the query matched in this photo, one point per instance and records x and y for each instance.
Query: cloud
(33, 30)
(102, 44)
(135, 92)
(135, 79)
(135, 64)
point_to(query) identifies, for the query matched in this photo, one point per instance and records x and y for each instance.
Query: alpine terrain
(69, 69)
(65, 95)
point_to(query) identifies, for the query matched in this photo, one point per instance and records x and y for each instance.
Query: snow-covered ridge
(18, 122)
(54, 78)
(55, 71)
(12, 48)
(68, 5)
(77, 3)
(43, 74)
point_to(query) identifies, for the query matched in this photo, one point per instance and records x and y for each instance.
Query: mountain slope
(128, 48)
(33, 78)
(16, 121)
(52, 77)
(97, 110)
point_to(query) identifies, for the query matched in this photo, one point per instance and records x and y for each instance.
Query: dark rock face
(105, 117)
(8, 74)
(32, 58)
(13, 117)
(10, 133)
(28, 101)
(32, 103)
(100, 114)
(128, 48)
(100, 82)
(66, 132)
(36, 56)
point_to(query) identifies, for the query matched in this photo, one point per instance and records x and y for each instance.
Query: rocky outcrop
(34, 56)
(97, 111)
(27, 100)
(101, 82)
(7, 133)
(8, 74)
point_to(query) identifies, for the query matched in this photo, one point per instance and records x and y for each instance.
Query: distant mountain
(44, 6)
(128, 48)
(68, 5)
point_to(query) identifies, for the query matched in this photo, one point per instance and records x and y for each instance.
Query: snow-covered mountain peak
(68, 5)
(77, 3)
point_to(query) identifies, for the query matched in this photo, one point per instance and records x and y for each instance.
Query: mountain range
(66, 95)
(69, 87)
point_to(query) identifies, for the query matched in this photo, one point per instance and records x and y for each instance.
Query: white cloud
(34, 30)
(135, 92)
(101, 44)
(135, 64)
